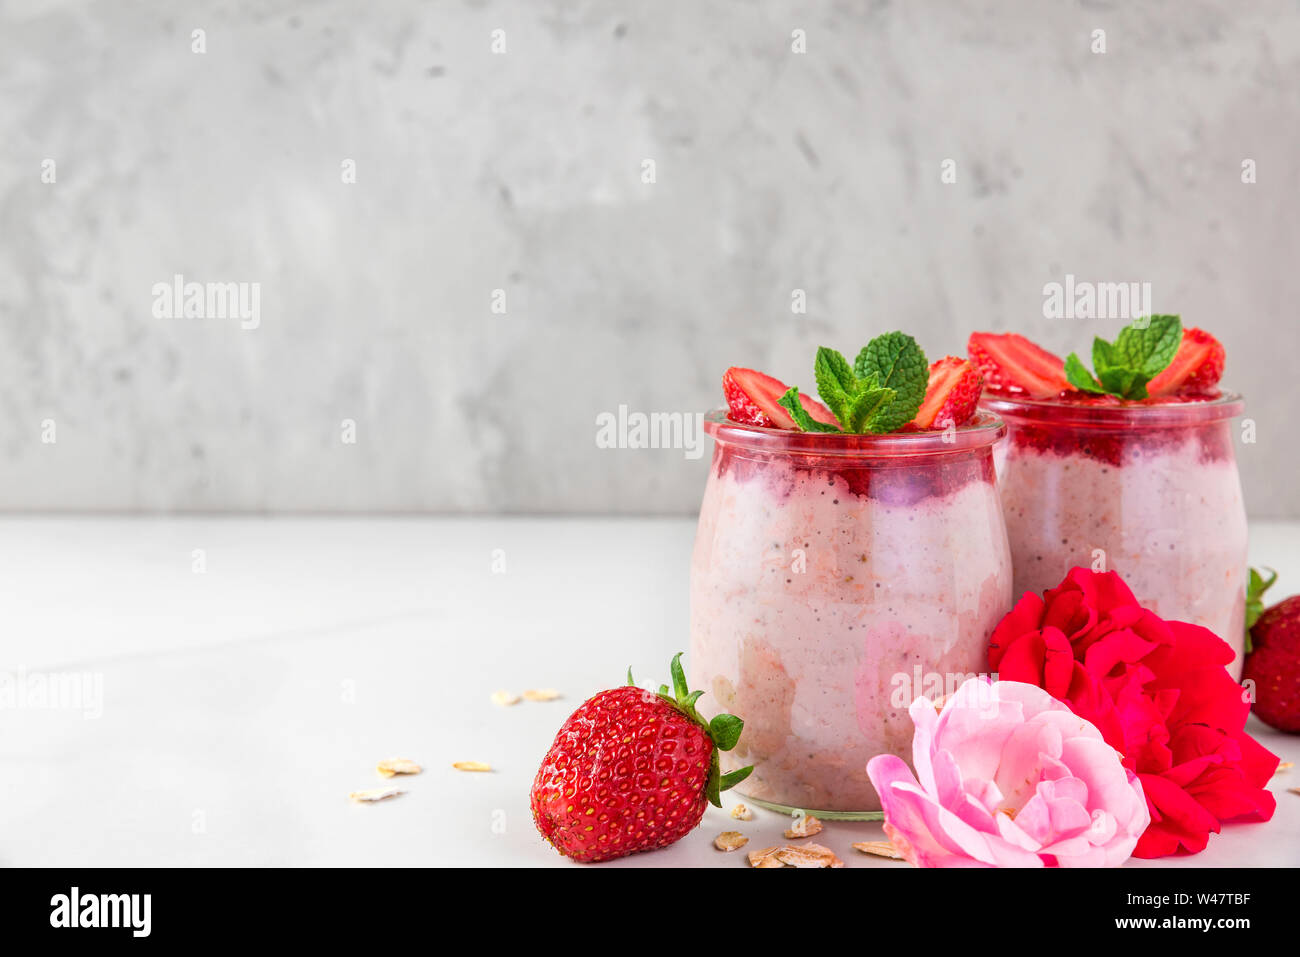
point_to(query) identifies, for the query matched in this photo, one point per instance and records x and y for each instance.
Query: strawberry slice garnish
(951, 396)
(1195, 369)
(740, 407)
(753, 398)
(1012, 365)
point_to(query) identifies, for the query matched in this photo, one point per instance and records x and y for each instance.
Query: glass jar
(1149, 490)
(834, 579)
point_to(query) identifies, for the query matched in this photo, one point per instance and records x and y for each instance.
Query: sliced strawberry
(951, 396)
(1196, 369)
(753, 398)
(740, 407)
(1012, 365)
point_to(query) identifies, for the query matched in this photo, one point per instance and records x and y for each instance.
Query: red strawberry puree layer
(1159, 503)
(820, 594)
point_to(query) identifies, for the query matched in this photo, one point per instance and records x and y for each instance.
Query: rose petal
(1024, 617)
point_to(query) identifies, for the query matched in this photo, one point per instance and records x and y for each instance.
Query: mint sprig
(790, 402)
(724, 730)
(897, 363)
(1255, 589)
(879, 393)
(1124, 367)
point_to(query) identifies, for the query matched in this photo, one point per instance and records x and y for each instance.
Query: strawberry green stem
(723, 730)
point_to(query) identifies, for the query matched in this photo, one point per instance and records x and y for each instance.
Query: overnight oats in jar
(1144, 486)
(835, 578)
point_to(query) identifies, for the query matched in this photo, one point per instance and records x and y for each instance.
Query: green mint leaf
(1148, 350)
(790, 402)
(725, 731)
(1103, 355)
(732, 778)
(1079, 376)
(870, 410)
(1125, 366)
(898, 363)
(1123, 382)
(629, 676)
(1255, 589)
(836, 383)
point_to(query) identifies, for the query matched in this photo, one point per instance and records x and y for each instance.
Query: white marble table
(241, 704)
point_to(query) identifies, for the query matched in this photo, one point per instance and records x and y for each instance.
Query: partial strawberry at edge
(951, 396)
(753, 398)
(1014, 366)
(1274, 666)
(1195, 369)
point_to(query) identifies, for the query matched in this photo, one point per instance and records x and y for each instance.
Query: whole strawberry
(632, 770)
(1273, 664)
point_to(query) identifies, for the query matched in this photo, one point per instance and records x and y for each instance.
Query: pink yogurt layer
(1161, 505)
(819, 611)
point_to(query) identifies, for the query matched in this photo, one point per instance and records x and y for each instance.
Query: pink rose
(1007, 776)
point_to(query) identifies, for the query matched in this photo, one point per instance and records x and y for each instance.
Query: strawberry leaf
(713, 786)
(732, 778)
(680, 688)
(1255, 589)
(725, 730)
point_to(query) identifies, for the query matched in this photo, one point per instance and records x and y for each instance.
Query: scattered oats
(805, 826)
(878, 848)
(1294, 790)
(544, 694)
(398, 766)
(472, 766)
(765, 858)
(505, 698)
(1284, 766)
(802, 855)
(808, 855)
(374, 794)
(741, 813)
(730, 840)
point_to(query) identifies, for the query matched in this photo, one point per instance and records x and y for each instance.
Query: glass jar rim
(1133, 415)
(981, 432)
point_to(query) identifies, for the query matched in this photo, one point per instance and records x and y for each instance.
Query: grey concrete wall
(523, 171)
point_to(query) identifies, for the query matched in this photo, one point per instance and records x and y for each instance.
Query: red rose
(1160, 695)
